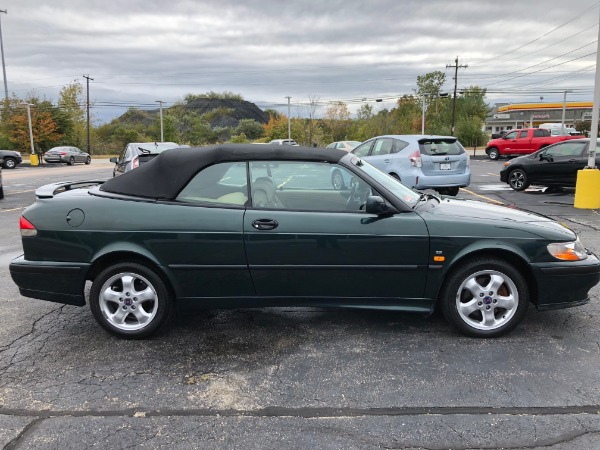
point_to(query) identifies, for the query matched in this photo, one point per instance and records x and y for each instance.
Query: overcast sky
(139, 51)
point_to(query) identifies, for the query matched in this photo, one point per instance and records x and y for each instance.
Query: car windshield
(405, 194)
(156, 147)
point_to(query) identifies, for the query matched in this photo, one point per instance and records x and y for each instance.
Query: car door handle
(265, 224)
(572, 160)
(387, 161)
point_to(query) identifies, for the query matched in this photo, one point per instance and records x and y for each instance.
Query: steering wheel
(358, 196)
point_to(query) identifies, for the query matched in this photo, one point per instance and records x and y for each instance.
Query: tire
(9, 163)
(138, 315)
(337, 180)
(494, 154)
(88, 160)
(517, 179)
(71, 161)
(480, 313)
(1, 192)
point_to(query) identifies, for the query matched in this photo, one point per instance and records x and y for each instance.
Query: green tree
(337, 118)
(250, 128)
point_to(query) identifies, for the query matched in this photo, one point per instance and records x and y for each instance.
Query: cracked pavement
(295, 377)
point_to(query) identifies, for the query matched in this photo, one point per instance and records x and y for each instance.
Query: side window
(362, 150)
(399, 145)
(511, 135)
(382, 147)
(523, 134)
(224, 183)
(306, 186)
(127, 155)
(539, 133)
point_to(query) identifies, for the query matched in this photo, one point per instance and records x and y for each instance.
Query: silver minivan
(420, 161)
(138, 153)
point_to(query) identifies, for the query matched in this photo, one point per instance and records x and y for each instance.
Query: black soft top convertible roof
(167, 174)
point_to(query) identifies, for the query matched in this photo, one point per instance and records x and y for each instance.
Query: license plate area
(445, 166)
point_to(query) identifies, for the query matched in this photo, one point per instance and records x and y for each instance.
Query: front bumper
(563, 285)
(504, 176)
(60, 282)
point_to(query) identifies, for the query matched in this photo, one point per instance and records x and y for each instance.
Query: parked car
(11, 158)
(421, 162)
(230, 226)
(137, 153)
(522, 142)
(345, 145)
(555, 166)
(283, 142)
(67, 155)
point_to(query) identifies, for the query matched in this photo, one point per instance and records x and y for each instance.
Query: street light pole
(562, 122)
(423, 115)
(29, 105)
(2, 51)
(87, 77)
(162, 136)
(289, 123)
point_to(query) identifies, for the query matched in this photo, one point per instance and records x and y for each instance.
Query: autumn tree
(337, 118)
(45, 131)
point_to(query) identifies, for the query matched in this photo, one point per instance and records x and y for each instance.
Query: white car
(283, 142)
(345, 145)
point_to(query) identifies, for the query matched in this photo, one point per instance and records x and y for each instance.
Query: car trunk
(442, 156)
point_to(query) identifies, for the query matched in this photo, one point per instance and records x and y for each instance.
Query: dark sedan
(11, 158)
(246, 225)
(555, 165)
(67, 155)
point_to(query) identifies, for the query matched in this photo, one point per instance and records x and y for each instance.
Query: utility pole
(3, 65)
(162, 136)
(423, 115)
(87, 77)
(289, 123)
(455, 67)
(29, 105)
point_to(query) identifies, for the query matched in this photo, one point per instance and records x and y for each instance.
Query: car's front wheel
(130, 300)
(88, 160)
(517, 179)
(337, 181)
(485, 297)
(494, 153)
(10, 163)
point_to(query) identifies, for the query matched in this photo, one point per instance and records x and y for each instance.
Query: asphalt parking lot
(293, 377)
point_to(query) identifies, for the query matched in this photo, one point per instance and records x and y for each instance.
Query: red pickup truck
(522, 142)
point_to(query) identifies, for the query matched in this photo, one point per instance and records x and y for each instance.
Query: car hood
(470, 211)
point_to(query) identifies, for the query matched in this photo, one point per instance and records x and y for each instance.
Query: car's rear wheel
(494, 153)
(395, 176)
(10, 163)
(71, 161)
(88, 160)
(452, 191)
(517, 179)
(130, 300)
(485, 297)
(337, 180)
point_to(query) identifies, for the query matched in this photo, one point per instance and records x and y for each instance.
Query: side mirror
(377, 205)
(114, 160)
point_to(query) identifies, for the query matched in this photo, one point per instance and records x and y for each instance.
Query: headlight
(506, 164)
(568, 251)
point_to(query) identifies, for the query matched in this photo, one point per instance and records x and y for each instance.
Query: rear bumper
(444, 180)
(60, 282)
(562, 285)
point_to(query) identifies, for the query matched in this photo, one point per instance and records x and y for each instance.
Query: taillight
(27, 228)
(135, 162)
(62, 153)
(415, 159)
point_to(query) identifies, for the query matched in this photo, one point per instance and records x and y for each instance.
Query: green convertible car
(248, 226)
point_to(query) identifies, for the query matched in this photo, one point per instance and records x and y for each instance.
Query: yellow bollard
(34, 160)
(587, 189)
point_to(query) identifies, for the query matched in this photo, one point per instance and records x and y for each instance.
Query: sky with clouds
(139, 51)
